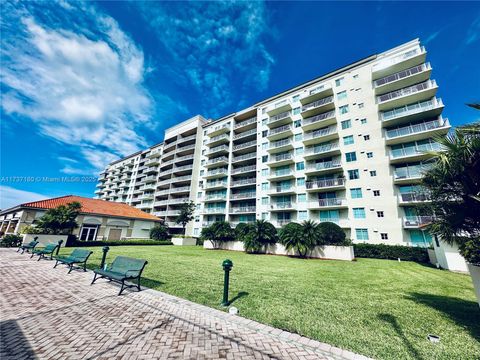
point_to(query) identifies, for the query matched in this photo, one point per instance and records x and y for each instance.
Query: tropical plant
(217, 233)
(160, 232)
(186, 214)
(331, 234)
(11, 240)
(291, 236)
(260, 233)
(453, 183)
(60, 220)
(31, 229)
(241, 230)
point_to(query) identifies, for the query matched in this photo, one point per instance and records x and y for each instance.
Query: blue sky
(85, 83)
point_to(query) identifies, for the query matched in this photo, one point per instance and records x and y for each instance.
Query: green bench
(49, 249)
(30, 246)
(78, 256)
(122, 269)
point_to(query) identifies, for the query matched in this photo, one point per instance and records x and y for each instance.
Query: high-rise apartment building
(347, 147)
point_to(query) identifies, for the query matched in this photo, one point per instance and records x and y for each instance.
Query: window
(359, 213)
(376, 192)
(264, 122)
(264, 146)
(351, 156)
(296, 111)
(264, 200)
(264, 133)
(346, 124)
(301, 182)
(363, 121)
(353, 174)
(298, 137)
(302, 215)
(356, 193)
(264, 110)
(296, 98)
(264, 159)
(299, 151)
(302, 197)
(366, 137)
(264, 216)
(369, 155)
(88, 232)
(203, 152)
(265, 186)
(343, 109)
(348, 140)
(361, 105)
(339, 82)
(380, 214)
(342, 95)
(202, 172)
(196, 231)
(199, 195)
(373, 173)
(297, 123)
(384, 236)
(362, 234)
(264, 172)
(203, 162)
(300, 165)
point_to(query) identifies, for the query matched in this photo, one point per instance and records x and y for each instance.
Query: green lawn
(378, 308)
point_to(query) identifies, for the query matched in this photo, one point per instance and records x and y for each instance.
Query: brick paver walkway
(48, 314)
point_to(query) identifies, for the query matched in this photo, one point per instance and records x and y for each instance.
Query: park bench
(47, 250)
(122, 269)
(78, 256)
(30, 246)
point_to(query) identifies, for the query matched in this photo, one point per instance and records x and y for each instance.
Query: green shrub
(382, 251)
(77, 243)
(258, 235)
(218, 232)
(470, 250)
(291, 236)
(11, 240)
(29, 229)
(241, 230)
(160, 232)
(331, 234)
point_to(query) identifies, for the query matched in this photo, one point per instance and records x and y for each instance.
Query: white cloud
(10, 197)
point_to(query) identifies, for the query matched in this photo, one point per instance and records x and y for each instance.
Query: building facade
(347, 147)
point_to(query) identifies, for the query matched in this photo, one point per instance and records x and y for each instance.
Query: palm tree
(310, 233)
(259, 234)
(291, 236)
(217, 233)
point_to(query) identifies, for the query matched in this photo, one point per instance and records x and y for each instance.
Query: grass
(379, 308)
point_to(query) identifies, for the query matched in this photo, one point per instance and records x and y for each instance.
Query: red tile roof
(93, 206)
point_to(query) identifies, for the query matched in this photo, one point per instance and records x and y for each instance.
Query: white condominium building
(348, 147)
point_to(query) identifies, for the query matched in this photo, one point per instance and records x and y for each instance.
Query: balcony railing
(213, 184)
(214, 210)
(281, 172)
(219, 127)
(245, 122)
(216, 197)
(247, 181)
(312, 150)
(417, 128)
(282, 189)
(244, 169)
(281, 116)
(410, 172)
(245, 145)
(219, 137)
(185, 157)
(183, 148)
(328, 202)
(281, 157)
(319, 184)
(280, 129)
(217, 160)
(401, 74)
(325, 165)
(416, 221)
(414, 150)
(217, 149)
(178, 200)
(317, 103)
(217, 171)
(414, 197)
(282, 205)
(180, 178)
(251, 155)
(406, 91)
(242, 209)
(180, 189)
(319, 133)
(319, 117)
(411, 109)
(244, 195)
(277, 144)
(185, 167)
(387, 62)
(244, 134)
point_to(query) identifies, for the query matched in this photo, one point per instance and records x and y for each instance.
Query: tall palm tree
(259, 234)
(291, 236)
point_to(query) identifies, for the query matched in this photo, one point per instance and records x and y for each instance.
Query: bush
(258, 235)
(77, 243)
(331, 234)
(241, 230)
(470, 250)
(382, 251)
(11, 240)
(29, 229)
(218, 232)
(160, 232)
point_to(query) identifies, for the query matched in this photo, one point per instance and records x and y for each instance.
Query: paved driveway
(48, 314)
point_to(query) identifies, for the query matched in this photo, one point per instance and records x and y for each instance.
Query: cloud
(473, 32)
(432, 37)
(72, 71)
(218, 48)
(10, 197)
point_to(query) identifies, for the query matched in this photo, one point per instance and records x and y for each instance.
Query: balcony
(243, 195)
(149, 179)
(215, 197)
(283, 206)
(413, 198)
(334, 203)
(222, 160)
(182, 169)
(218, 129)
(184, 149)
(279, 107)
(319, 121)
(323, 167)
(318, 106)
(281, 222)
(217, 140)
(404, 78)
(214, 210)
(392, 64)
(281, 174)
(409, 174)
(216, 173)
(162, 192)
(182, 189)
(166, 163)
(281, 159)
(252, 133)
(325, 185)
(243, 182)
(282, 190)
(414, 153)
(173, 212)
(316, 93)
(244, 158)
(415, 222)
(245, 147)
(244, 169)
(216, 184)
(161, 203)
(414, 93)
(242, 209)
(177, 179)
(321, 150)
(280, 146)
(280, 119)
(151, 170)
(280, 132)
(423, 130)
(180, 159)
(245, 123)
(186, 138)
(217, 150)
(321, 135)
(179, 200)
(160, 213)
(416, 111)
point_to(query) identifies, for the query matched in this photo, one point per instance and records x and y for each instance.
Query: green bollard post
(227, 266)
(104, 256)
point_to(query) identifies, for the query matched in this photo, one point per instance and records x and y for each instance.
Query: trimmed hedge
(382, 251)
(76, 243)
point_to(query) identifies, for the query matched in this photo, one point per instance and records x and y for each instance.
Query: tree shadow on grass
(464, 313)
(238, 296)
(392, 320)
